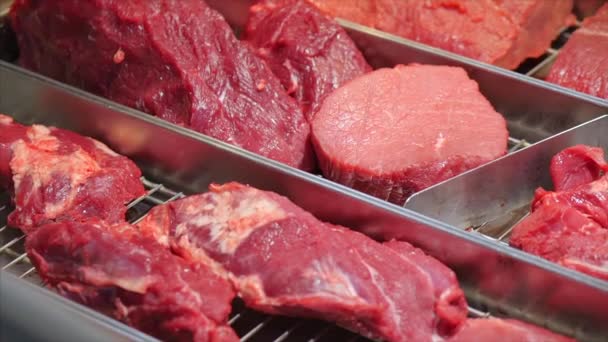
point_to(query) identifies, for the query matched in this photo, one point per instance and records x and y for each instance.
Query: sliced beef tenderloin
(394, 132)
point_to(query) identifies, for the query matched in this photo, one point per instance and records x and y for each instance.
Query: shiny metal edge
(500, 277)
(503, 187)
(31, 312)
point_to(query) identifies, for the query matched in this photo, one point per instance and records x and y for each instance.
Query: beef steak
(499, 32)
(176, 59)
(570, 226)
(582, 64)
(393, 132)
(504, 330)
(56, 175)
(115, 270)
(282, 260)
(309, 52)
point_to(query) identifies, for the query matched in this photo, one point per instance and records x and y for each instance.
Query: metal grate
(249, 325)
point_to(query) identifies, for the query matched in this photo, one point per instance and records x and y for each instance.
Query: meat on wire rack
(249, 325)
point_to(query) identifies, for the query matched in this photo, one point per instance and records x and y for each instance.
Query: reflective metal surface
(31, 313)
(496, 277)
(498, 194)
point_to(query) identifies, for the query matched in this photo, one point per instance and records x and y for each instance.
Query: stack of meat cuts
(308, 51)
(500, 32)
(393, 132)
(175, 59)
(176, 273)
(582, 64)
(570, 225)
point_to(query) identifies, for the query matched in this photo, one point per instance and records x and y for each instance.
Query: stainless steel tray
(497, 279)
(492, 198)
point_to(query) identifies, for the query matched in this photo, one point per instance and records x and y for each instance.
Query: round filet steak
(394, 132)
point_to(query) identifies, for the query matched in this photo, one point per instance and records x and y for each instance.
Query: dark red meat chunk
(115, 270)
(499, 32)
(57, 175)
(504, 330)
(309, 52)
(570, 226)
(585, 8)
(582, 64)
(424, 125)
(282, 260)
(178, 60)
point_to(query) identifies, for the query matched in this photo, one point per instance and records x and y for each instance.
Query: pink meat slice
(393, 132)
(582, 64)
(309, 52)
(113, 269)
(56, 175)
(570, 226)
(577, 165)
(499, 32)
(504, 330)
(561, 234)
(282, 260)
(178, 60)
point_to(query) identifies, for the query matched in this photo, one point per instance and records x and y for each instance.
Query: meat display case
(499, 280)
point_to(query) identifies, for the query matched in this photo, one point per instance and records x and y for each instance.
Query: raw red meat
(282, 260)
(134, 279)
(577, 165)
(175, 59)
(58, 175)
(499, 32)
(582, 64)
(425, 124)
(450, 298)
(504, 330)
(570, 226)
(585, 8)
(309, 52)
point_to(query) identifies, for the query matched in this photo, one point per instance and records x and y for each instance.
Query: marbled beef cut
(500, 32)
(282, 260)
(176, 59)
(115, 270)
(309, 52)
(569, 226)
(393, 132)
(582, 64)
(55, 175)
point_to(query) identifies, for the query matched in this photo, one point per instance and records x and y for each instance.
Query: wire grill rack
(249, 325)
